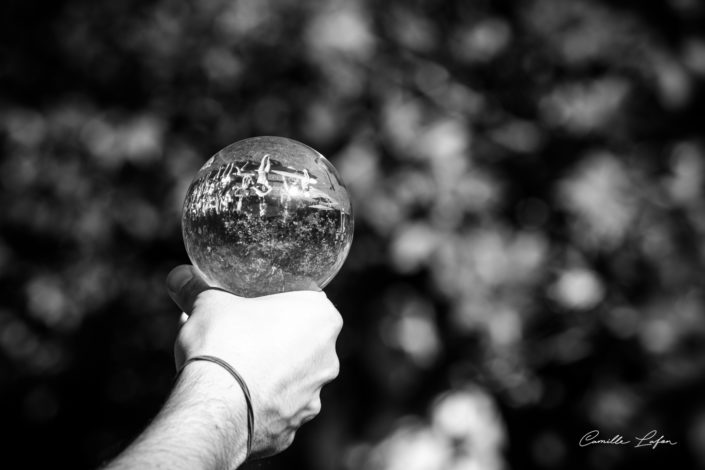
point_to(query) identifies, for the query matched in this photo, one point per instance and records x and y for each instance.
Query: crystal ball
(267, 215)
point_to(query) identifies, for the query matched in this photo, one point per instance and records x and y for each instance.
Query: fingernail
(177, 279)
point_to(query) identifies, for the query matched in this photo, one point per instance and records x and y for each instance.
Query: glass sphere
(267, 215)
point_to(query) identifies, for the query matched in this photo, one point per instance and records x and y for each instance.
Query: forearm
(203, 426)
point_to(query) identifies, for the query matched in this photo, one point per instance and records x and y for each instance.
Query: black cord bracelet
(243, 386)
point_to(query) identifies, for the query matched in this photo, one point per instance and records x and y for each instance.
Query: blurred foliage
(528, 183)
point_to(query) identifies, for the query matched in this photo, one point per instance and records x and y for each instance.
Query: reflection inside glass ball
(267, 215)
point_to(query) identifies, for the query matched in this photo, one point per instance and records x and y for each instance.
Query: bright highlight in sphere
(267, 215)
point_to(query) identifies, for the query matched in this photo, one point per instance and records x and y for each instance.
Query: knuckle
(286, 441)
(335, 369)
(315, 406)
(336, 322)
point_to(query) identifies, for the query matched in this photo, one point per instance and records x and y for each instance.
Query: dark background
(528, 186)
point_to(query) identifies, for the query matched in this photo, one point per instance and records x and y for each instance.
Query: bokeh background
(528, 184)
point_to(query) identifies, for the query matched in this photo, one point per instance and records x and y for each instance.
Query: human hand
(283, 346)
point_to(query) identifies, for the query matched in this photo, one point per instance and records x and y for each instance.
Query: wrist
(201, 427)
(212, 394)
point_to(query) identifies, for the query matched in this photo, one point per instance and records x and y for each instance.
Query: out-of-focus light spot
(470, 419)
(528, 252)
(694, 56)
(431, 78)
(601, 195)
(658, 335)
(355, 456)
(482, 41)
(412, 246)
(504, 327)
(469, 463)
(411, 30)
(466, 433)
(442, 142)
(583, 31)
(417, 336)
(472, 312)
(138, 217)
(48, 303)
(497, 258)
(142, 138)
(26, 127)
(578, 288)
(445, 143)
(94, 223)
(491, 259)
(411, 446)
(521, 388)
(69, 118)
(16, 338)
(344, 77)
(688, 312)
(158, 38)
(359, 167)
(517, 135)
(243, 19)
(611, 407)
(222, 66)
(19, 343)
(656, 242)
(489, 271)
(137, 139)
(385, 213)
(685, 186)
(667, 321)
(21, 172)
(93, 285)
(673, 82)
(686, 7)
(322, 121)
(457, 98)
(622, 321)
(473, 192)
(412, 328)
(401, 121)
(415, 188)
(341, 29)
(463, 415)
(570, 345)
(585, 107)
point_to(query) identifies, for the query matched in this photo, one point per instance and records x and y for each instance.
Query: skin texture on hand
(282, 345)
(200, 427)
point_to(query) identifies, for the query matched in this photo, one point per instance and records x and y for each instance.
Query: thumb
(184, 283)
